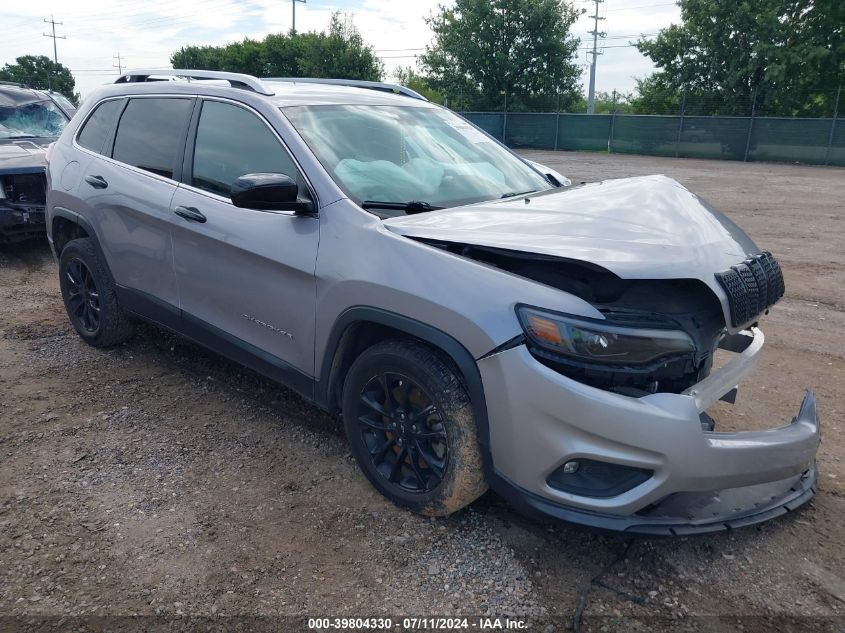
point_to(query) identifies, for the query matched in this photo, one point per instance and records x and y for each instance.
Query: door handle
(98, 182)
(190, 213)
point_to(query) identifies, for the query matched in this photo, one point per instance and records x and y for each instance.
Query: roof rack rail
(236, 80)
(355, 83)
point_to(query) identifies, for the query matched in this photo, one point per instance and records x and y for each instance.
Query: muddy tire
(89, 296)
(410, 426)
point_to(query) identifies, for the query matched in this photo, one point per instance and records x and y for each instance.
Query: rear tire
(410, 426)
(89, 296)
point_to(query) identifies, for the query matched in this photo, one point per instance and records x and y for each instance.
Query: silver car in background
(476, 321)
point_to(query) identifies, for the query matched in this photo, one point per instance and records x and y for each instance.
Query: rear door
(246, 277)
(128, 191)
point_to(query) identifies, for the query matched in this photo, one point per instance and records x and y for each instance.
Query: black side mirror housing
(269, 192)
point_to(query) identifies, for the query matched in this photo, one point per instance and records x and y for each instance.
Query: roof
(306, 93)
(281, 91)
(15, 96)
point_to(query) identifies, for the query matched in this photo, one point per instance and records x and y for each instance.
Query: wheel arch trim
(428, 334)
(72, 216)
(67, 214)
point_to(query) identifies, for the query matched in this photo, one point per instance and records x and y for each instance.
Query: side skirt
(162, 314)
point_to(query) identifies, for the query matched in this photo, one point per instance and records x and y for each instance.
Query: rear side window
(232, 142)
(150, 134)
(99, 125)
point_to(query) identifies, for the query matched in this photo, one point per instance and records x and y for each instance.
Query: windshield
(64, 102)
(36, 119)
(404, 154)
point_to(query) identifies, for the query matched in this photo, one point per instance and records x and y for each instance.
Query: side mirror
(269, 192)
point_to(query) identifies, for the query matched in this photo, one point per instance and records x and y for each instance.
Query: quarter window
(99, 125)
(150, 134)
(232, 142)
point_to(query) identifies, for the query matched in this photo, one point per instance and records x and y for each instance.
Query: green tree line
(340, 52)
(785, 56)
(42, 73)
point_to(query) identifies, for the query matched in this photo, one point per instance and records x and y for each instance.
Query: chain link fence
(754, 131)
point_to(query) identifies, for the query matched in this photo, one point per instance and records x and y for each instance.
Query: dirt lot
(160, 479)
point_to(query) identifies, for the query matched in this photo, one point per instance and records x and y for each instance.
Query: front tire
(410, 426)
(89, 296)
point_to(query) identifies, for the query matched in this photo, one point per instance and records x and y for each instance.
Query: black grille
(752, 286)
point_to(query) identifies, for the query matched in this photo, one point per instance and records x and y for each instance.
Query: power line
(119, 64)
(591, 96)
(54, 36)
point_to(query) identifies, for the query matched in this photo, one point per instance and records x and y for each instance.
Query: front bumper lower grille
(752, 286)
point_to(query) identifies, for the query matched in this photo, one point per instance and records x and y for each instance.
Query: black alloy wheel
(90, 295)
(403, 432)
(83, 298)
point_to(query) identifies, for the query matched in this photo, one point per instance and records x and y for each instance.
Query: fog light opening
(597, 479)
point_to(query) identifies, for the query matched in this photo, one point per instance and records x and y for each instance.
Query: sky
(145, 32)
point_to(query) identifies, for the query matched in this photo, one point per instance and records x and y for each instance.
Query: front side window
(99, 125)
(232, 142)
(36, 119)
(150, 134)
(402, 154)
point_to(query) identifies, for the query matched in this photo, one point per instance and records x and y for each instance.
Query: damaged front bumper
(21, 222)
(645, 465)
(22, 205)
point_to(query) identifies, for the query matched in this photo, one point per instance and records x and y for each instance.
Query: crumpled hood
(22, 157)
(638, 228)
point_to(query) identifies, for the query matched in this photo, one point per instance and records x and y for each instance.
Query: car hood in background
(638, 228)
(23, 156)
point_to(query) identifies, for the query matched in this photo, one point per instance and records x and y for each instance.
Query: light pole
(591, 95)
(293, 22)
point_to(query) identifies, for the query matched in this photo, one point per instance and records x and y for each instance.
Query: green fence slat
(837, 150)
(714, 137)
(584, 132)
(793, 140)
(725, 138)
(652, 135)
(534, 130)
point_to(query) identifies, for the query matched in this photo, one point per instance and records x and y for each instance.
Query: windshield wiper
(414, 206)
(513, 194)
(18, 137)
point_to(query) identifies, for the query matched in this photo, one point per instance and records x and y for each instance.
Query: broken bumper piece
(20, 223)
(642, 465)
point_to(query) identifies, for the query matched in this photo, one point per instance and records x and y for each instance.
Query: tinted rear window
(150, 134)
(99, 125)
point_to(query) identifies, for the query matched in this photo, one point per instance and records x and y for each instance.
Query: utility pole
(293, 21)
(54, 36)
(591, 97)
(119, 64)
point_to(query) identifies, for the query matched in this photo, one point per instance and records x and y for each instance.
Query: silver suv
(474, 322)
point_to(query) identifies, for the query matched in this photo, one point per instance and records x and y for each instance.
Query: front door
(246, 277)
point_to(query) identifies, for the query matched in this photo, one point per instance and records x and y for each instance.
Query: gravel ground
(159, 479)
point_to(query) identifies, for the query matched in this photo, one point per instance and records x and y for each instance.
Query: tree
(788, 54)
(606, 103)
(339, 53)
(487, 50)
(41, 72)
(407, 76)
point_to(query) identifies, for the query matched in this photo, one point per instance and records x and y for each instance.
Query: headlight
(589, 341)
